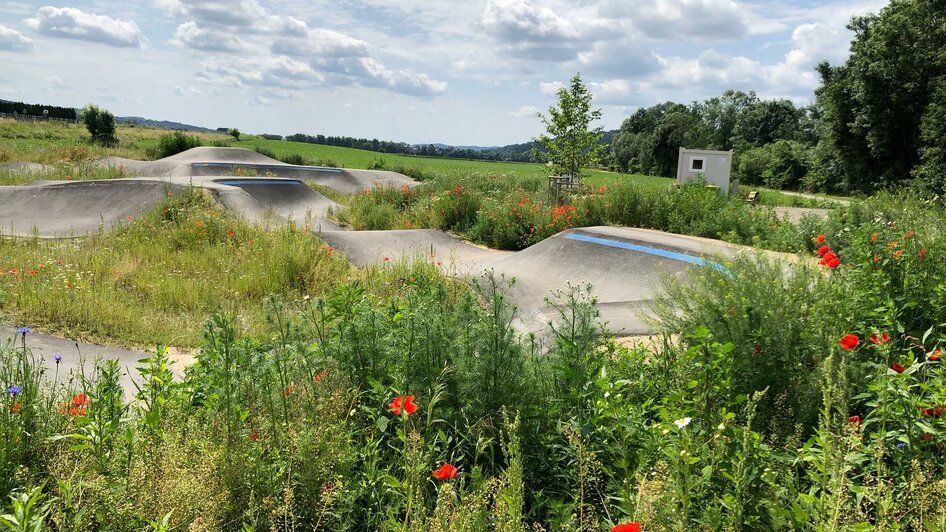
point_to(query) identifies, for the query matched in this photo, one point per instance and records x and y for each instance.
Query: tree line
(35, 109)
(878, 120)
(515, 152)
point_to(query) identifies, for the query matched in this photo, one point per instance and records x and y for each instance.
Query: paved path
(76, 356)
(625, 266)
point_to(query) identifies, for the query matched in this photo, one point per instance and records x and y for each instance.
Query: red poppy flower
(403, 402)
(757, 349)
(254, 435)
(819, 239)
(856, 420)
(80, 399)
(409, 405)
(882, 339)
(291, 389)
(897, 367)
(874, 237)
(937, 354)
(230, 233)
(445, 472)
(16, 407)
(850, 341)
(627, 527)
(830, 260)
(823, 250)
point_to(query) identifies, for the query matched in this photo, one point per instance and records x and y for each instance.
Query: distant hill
(164, 124)
(471, 148)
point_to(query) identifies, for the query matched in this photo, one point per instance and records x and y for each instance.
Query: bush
(174, 143)
(101, 125)
(294, 158)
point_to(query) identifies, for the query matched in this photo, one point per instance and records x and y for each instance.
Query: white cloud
(611, 92)
(14, 41)
(531, 32)
(368, 72)
(72, 23)
(226, 13)
(525, 111)
(323, 43)
(190, 35)
(278, 71)
(551, 87)
(816, 42)
(286, 54)
(626, 58)
(689, 20)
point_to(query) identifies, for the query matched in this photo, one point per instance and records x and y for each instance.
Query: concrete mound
(290, 199)
(76, 208)
(625, 267)
(364, 248)
(241, 162)
(205, 154)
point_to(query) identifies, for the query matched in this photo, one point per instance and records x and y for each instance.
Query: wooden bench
(753, 197)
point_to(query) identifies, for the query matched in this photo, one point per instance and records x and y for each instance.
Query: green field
(66, 149)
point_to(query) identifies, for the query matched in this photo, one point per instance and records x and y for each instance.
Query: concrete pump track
(625, 266)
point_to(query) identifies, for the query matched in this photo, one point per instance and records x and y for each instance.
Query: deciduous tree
(571, 145)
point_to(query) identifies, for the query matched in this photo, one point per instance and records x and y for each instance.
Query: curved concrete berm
(76, 208)
(215, 162)
(625, 266)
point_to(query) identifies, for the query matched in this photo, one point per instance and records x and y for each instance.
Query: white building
(713, 166)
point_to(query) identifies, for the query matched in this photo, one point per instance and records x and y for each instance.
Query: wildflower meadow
(775, 397)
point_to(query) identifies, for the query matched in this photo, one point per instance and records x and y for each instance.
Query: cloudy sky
(458, 72)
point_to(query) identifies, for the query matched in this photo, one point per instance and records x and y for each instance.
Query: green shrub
(101, 125)
(293, 158)
(173, 143)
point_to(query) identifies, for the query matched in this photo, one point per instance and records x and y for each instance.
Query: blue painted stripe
(238, 182)
(649, 250)
(267, 167)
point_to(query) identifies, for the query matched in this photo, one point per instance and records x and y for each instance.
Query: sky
(471, 72)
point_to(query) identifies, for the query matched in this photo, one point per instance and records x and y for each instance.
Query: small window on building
(697, 164)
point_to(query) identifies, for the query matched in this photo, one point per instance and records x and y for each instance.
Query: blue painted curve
(238, 182)
(672, 255)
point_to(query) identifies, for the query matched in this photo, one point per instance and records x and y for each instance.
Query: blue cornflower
(23, 330)
(14, 390)
(901, 445)
(57, 358)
